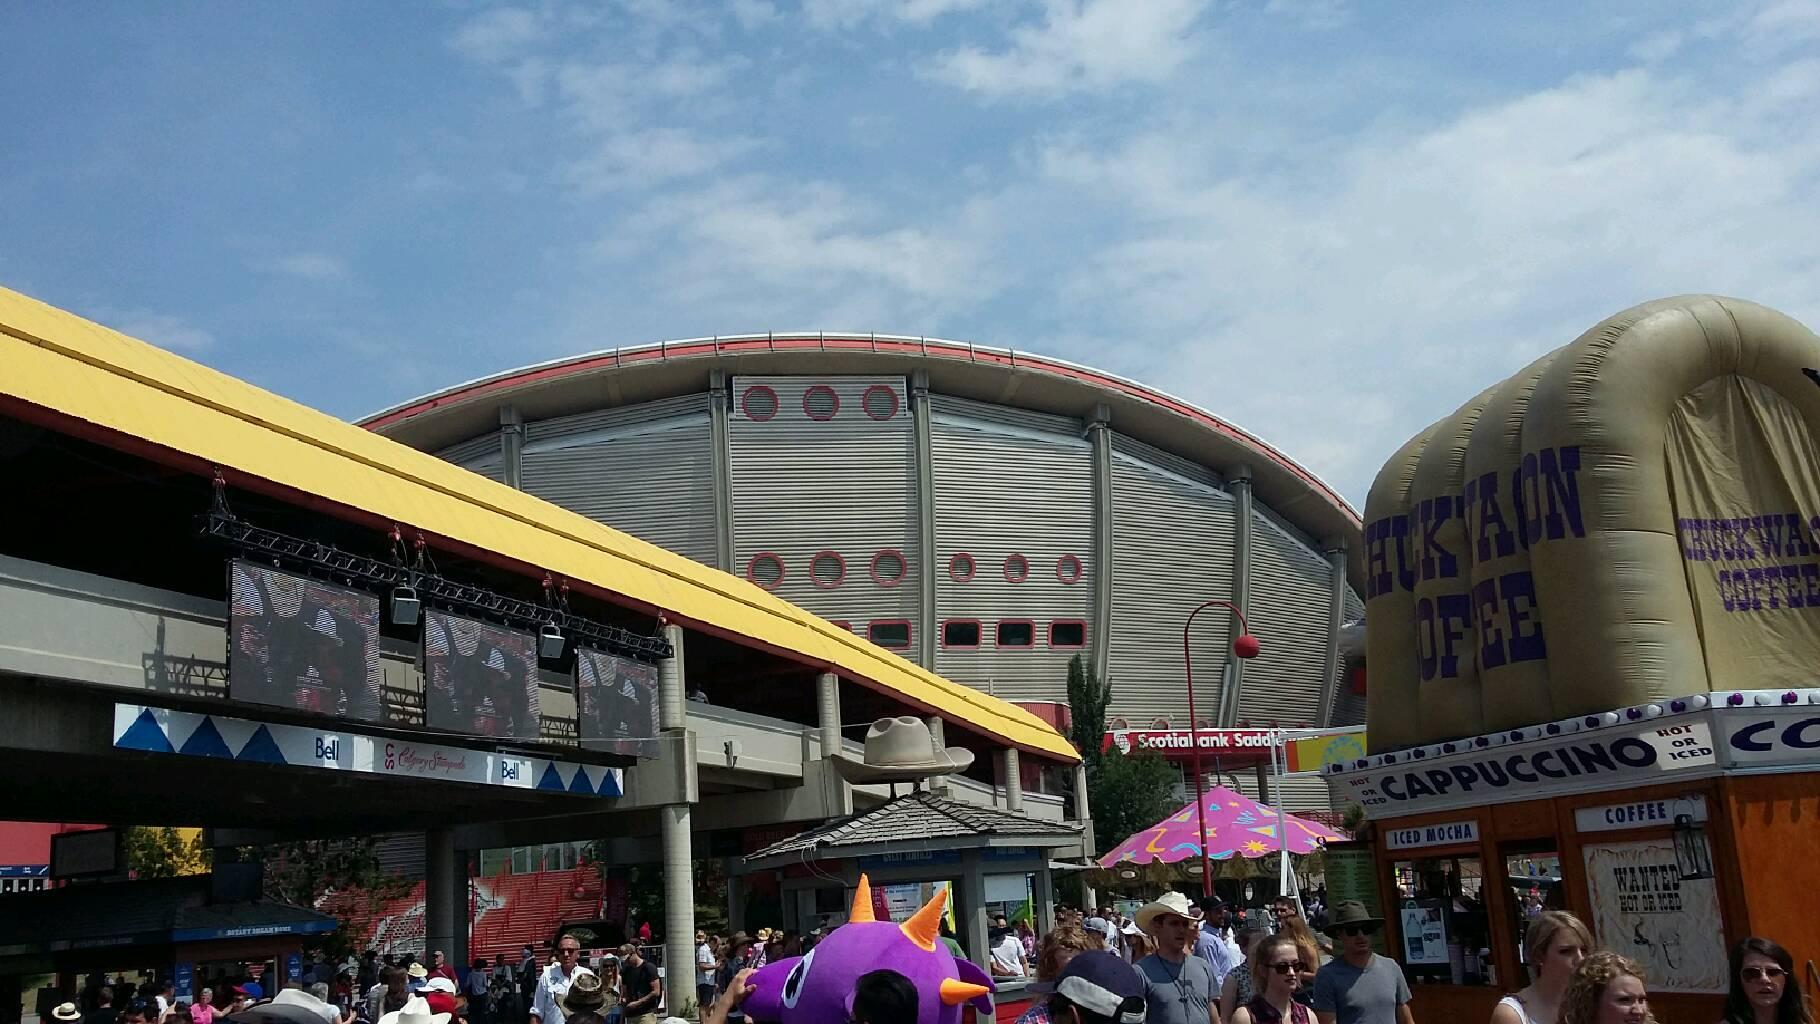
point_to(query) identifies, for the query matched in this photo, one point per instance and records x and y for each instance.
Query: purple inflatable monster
(818, 988)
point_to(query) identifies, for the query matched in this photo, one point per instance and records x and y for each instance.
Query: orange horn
(862, 904)
(925, 926)
(954, 993)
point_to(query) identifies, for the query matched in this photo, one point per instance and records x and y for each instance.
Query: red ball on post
(1246, 646)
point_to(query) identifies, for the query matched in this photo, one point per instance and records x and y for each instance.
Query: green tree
(1132, 792)
(341, 877)
(1088, 696)
(153, 852)
(1125, 793)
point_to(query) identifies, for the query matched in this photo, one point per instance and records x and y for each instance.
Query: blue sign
(293, 967)
(1007, 853)
(25, 870)
(185, 978)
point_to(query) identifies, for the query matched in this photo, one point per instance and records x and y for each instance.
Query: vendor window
(1532, 885)
(1441, 918)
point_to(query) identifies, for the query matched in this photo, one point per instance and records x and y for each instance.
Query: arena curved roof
(160, 403)
(644, 373)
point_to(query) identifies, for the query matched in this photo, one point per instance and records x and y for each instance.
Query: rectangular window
(1017, 633)
(1068, 633)
(961, 633)
(1442, 910)
(893, 634)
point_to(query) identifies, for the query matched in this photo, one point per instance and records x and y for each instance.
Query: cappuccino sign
(1602, 759)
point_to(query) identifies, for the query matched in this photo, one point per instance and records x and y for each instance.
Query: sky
(1328, 222)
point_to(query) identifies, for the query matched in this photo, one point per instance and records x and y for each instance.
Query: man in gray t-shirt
(1178, 986)
(1359, 986)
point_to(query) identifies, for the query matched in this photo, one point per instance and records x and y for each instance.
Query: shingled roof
(925, 819)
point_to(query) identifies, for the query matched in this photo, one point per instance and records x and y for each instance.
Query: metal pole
(1194, 735)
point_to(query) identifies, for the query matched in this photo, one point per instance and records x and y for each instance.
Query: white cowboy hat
(289, 1006)
(415, 1011)
(901, 750)
(66, 1011)
(1169, 903)
(439, 984)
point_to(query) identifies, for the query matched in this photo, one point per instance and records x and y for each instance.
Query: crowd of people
(1170, 962)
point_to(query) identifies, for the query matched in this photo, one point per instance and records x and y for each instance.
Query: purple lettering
(1451, 610)
(1491, 639)
(1519, 589)
(1492, 533)
(1425, 637)
(1561, 470)
(1406, 570)
(1437, 561)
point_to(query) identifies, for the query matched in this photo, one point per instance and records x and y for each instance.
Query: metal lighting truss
(381, 576)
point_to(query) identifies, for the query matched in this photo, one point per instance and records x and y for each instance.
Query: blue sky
(1330, 222)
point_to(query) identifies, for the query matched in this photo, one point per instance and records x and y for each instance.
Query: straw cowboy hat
(1351, 912)
(901, 750)
(290, 1006)
(67, 1011)
(415, 1011)
(585, 993)
(1169, 903)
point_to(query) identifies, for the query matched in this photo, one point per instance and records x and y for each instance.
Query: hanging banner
(1644, 909)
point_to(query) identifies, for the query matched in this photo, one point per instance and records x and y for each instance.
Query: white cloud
(1337, 308)
(1079, 45)
(498, 35)
(1315, 15)
(311, 266)
(160, 329)
(753, 13)
(642, 159)
(844, 14)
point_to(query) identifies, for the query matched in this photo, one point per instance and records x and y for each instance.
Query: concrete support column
(511, 446)
(720, 410)
(673, 822)
(1239, 482)
(1336, 614)
(736, 898)
(937, 732)
(440, 873)
(971, 915)
(827, 692)
(1099, 643)
(1042, 893)
(672, 688)
(1083, 812)
(1014, 782)
(925, 517)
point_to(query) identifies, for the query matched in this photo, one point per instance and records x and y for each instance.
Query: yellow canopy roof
(64, 363)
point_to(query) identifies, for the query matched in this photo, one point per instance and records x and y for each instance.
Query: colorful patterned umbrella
(1237, 826)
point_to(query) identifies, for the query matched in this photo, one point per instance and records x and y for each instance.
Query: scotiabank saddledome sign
(1228, 745)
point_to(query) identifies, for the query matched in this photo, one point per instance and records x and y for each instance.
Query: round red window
(820, 403)
(758, 402)
(889, 568)
(961, 567)
(766, 570)
(1017, 568)
(1068, 569)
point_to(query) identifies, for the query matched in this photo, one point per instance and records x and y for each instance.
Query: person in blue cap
(1098, 987)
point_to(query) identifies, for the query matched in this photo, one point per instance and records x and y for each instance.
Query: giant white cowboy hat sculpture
(901, 750)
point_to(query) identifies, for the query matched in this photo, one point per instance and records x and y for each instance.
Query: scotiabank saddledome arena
(986, 513)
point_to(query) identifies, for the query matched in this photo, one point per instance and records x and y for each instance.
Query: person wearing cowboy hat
(1359, 986)
(586, 994)
(1178, 986)
(732, 962)
(292, 1006)
(68, 1013)
(415, 1011)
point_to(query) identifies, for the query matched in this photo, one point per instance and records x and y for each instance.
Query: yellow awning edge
(58, 361)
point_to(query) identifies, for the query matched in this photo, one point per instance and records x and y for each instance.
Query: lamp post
(1244, 646)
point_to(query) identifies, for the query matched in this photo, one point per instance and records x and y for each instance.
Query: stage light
(550, 642)
(407, 607)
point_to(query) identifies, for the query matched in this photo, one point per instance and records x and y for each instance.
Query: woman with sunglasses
(1553, 947)
(1276, 973)
(1763, 991)
(1606, 989)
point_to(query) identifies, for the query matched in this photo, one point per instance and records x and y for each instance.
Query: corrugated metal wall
(844, 484)
(1016, 484)
(477, 455)
(1289, 609)
(1348, 708)
(1171, 550)
(645, 469)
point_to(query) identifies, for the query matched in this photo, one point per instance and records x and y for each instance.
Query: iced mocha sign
(1603, 759)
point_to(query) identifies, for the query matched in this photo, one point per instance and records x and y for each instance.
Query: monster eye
(793, 985)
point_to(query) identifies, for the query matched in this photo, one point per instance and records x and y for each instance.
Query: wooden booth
(1673, 830)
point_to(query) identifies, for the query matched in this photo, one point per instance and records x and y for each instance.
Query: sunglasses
(568, 952)
(1289, 967)
(1760, 973)
(1357, 929)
